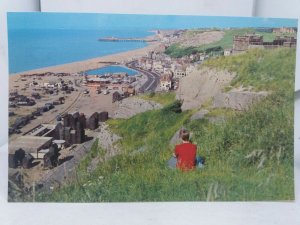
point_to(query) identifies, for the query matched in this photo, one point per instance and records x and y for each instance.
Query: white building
(179, 73)
(157, 65)
(165, 82)
(167, 70)
(148, 65)
(227, 52)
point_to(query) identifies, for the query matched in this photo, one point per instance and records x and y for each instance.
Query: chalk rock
(199, 115)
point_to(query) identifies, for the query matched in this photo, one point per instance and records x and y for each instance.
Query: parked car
(49, 105)
(12, 105)
(11, 114)
(58, 118)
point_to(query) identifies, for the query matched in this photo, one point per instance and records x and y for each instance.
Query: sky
(39, 20)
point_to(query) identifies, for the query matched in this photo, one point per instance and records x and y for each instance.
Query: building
(129, 79)
(285, 41)
(165, 82)
(179, 73)
(148, 65)
(42, 130)
(150, 54)
(157, 66)
(195, 57)
(203, 57)
(167, 69)
(245, 42)
(288, 30)
(241, 42)
(128, 90)
(227, 52)
(30, 144)
(97, 82)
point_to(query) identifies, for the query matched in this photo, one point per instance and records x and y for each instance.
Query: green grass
(221, 112)
(262, 69)
(94, 152)
(140, 172)
(162, 98)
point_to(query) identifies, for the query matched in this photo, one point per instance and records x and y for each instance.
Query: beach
(89, 64)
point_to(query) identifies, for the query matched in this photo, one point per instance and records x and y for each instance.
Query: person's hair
(184, 134)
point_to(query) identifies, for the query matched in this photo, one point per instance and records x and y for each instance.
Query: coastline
(90, 64)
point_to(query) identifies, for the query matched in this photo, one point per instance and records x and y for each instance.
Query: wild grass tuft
(162, 98)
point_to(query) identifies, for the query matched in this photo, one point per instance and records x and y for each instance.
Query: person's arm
(175, 152)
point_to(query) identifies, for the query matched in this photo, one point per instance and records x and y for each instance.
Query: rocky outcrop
(108, 143)
(202, 85)
(237, 99)
(107, 140)
(132, 106)
(199, 115)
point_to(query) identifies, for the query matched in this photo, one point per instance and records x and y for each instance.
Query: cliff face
(237, 99)
(132, 106)
(202, 85)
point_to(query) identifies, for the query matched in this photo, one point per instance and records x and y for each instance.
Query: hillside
(193, 38)
(178, 50)
(249, 154)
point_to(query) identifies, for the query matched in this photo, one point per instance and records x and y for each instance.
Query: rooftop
(41, 130)
(98, 79)
(30, 144)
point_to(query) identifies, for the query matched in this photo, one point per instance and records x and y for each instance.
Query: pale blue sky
(114, 21)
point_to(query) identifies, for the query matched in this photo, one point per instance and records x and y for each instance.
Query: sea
(37, 48)
(112, 69)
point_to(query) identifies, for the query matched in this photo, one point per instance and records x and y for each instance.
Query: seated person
(185, 154)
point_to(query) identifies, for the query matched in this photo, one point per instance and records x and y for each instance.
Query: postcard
(150, 108)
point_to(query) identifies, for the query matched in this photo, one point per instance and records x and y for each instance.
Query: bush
(173, 107)
(152, 94)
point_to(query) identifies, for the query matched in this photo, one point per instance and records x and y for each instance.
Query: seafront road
(153, 78)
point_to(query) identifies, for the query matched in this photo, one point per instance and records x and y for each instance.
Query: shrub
(173, 107)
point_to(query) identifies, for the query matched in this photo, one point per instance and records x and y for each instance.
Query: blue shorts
(199, 162)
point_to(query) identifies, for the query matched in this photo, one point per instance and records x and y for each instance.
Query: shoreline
(93, 63)
(89, 64)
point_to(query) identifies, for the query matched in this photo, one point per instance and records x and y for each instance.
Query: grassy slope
(263, 70)
(162, 98)
(143, 176)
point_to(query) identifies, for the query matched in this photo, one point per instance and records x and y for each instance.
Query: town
(47, 121)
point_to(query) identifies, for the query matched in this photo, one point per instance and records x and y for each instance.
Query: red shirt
(186, 156)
